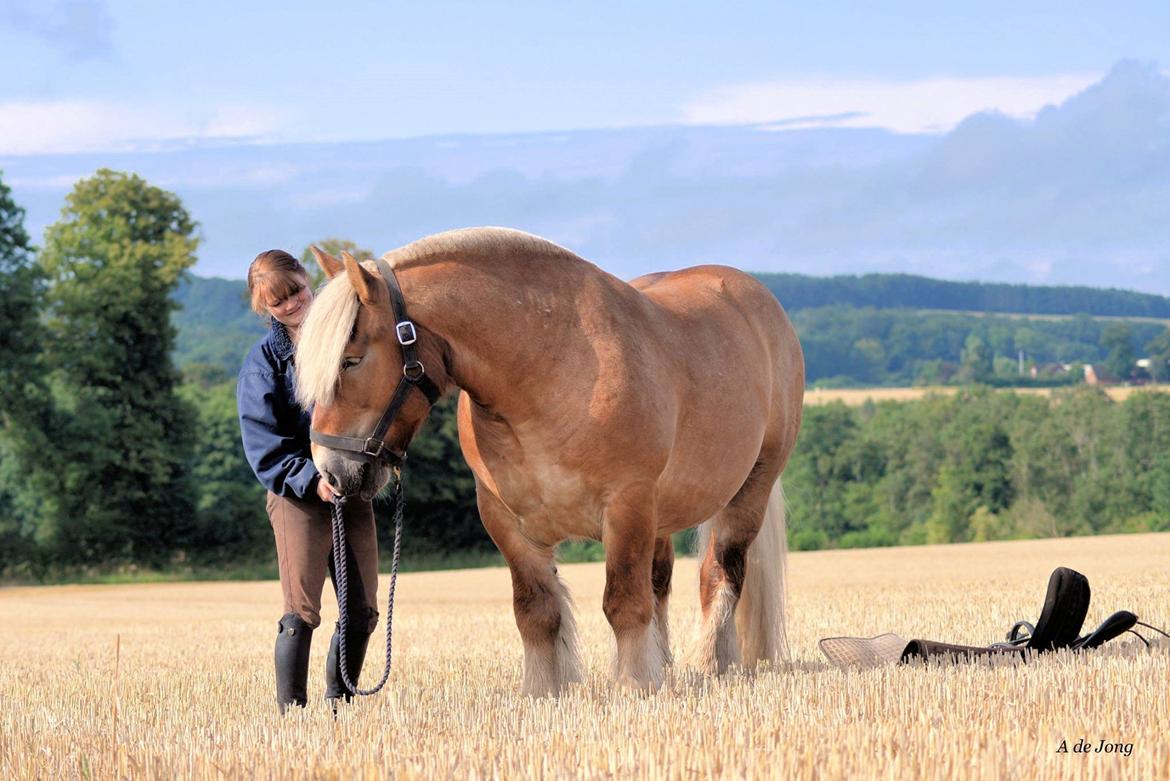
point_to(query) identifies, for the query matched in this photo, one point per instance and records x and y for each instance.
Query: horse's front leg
(544, 612)
(629, 602)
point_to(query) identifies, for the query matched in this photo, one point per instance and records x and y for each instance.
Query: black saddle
(1059, 626)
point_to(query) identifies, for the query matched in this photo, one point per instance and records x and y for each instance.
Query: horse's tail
(759, 616)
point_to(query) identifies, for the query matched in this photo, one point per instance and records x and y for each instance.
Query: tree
(440, 491)
(20, 290)
(976, 361)
(1118, 340)
(112, 262)
(23, 409)
(1158, 349)
(230, 502)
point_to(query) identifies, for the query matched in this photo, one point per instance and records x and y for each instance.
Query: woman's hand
(324, 490)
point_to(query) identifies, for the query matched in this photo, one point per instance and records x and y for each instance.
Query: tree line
(843, 345)
(906, 291)
(980, 465)
(848, 346)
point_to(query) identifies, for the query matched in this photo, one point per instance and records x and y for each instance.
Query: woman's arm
(280, 459)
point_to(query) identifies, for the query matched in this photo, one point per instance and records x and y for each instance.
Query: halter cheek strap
(414, 375)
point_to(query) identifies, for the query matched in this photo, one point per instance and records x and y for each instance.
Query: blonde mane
(329, 325)
(323, 338)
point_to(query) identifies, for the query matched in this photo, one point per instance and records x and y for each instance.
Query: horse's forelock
(321, 346)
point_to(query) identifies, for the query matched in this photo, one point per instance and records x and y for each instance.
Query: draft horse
(589, 408)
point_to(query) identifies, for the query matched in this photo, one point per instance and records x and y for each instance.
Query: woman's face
(291, 311)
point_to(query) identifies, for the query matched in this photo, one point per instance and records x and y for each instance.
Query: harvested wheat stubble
(195, 697)
(855, 397)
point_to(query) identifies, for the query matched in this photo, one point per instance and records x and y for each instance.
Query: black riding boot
(355, 648)
(292, 661)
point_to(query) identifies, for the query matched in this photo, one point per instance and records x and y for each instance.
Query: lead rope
(341, 576)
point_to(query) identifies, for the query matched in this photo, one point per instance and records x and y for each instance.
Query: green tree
(823, 465)
(976, 361)
(1118, 341)
(20, 291)
(112, 262)
(231, 525)
(24, 412)
(440, 491)
(1158, 349)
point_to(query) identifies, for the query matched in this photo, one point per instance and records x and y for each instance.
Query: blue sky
(88, 75)
(823, 138)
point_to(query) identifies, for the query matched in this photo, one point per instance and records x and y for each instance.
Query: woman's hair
(274, 276)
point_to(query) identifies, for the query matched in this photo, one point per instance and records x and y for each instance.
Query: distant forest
(904, 291)
(878, 329)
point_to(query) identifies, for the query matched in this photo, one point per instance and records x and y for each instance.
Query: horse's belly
(690, 495)
(551, 503)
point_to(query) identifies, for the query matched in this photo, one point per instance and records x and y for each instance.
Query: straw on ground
(854, 397)
(196, 700)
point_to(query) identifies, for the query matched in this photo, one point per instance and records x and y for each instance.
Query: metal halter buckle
(411, 335)
(375, 450)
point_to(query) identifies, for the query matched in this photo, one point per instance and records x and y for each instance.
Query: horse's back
(726, 307)
(739, 365)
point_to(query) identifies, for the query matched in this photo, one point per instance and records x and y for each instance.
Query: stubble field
(855, 397)
(194, 692)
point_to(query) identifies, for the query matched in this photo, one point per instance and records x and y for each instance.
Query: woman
(276, 441)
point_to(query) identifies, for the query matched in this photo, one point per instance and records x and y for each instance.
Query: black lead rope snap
(342, 586)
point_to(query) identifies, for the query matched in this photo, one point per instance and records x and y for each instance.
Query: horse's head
(350, 360)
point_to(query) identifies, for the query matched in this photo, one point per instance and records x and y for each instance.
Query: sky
(1019, 142)
(93, 75)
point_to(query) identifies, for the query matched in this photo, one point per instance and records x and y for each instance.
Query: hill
(876, 329)
(215, 324)
(906, 291)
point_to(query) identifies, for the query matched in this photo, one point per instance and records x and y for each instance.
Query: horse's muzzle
(351, 477)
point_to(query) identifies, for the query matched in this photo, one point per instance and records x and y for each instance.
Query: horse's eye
(349, 363)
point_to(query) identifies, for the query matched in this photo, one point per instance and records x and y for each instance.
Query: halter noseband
(414, 375)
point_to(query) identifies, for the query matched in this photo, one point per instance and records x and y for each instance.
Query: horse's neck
(510, 328)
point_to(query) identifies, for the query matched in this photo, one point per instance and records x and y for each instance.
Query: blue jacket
(274, 428)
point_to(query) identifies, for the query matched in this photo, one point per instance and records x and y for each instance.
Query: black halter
(414, 375)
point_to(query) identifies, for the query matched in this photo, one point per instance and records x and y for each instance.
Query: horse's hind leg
(721, 575)
(660, 576)
(544, 613)
(723, 570)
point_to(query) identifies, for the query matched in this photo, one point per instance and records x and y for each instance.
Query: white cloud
(28, 128)
(930, 105)
(923, 106)
(51, 183)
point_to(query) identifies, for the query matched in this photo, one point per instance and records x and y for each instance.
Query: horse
(588, 408)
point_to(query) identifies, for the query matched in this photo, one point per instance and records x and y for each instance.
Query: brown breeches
(304, 543)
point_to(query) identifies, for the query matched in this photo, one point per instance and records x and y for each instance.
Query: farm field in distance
(194, 687)
(854, 397)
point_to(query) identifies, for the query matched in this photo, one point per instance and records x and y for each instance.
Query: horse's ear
(329, 264)
(365, 284)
